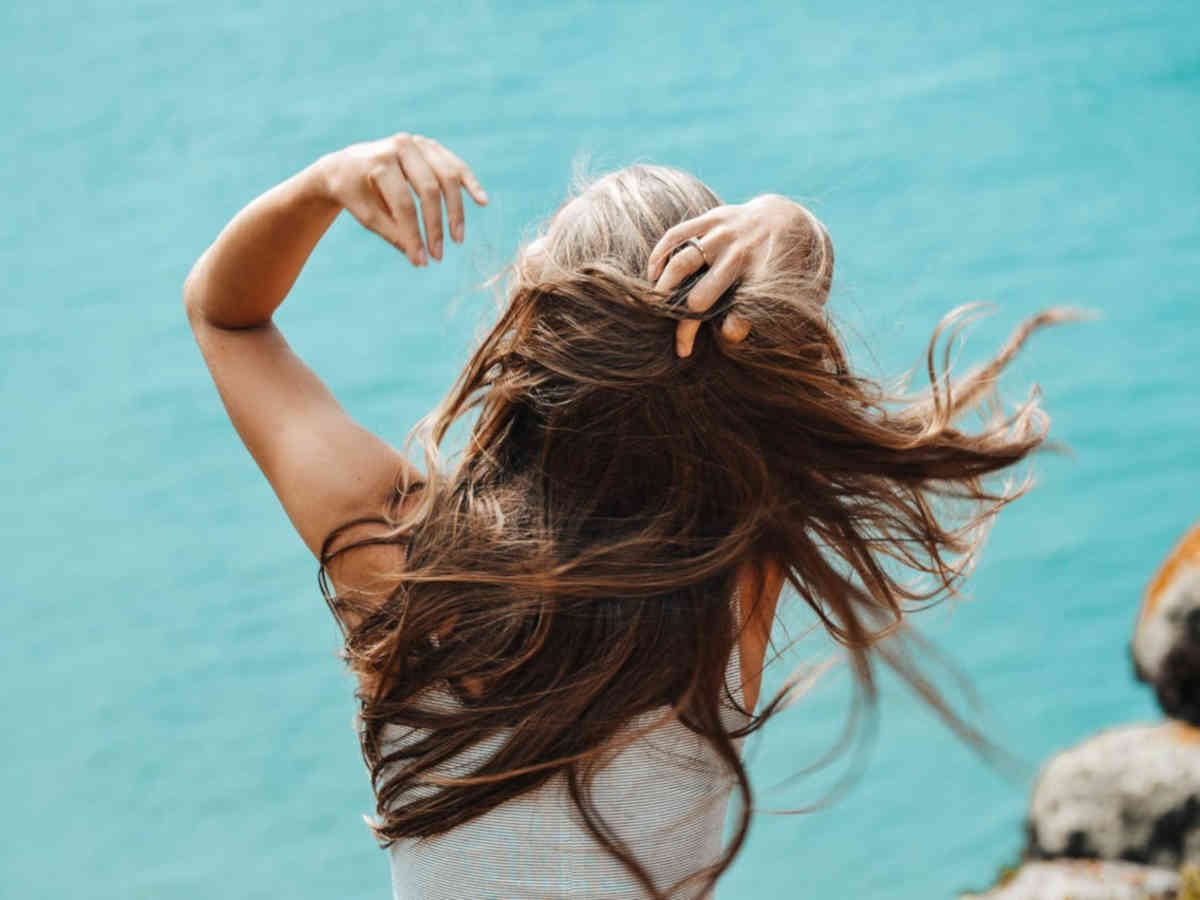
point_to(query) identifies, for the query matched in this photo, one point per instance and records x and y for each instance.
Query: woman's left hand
(734, 240)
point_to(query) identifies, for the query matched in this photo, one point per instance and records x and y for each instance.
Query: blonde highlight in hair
(576, 563)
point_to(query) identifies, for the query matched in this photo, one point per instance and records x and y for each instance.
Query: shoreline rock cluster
(1117, 816)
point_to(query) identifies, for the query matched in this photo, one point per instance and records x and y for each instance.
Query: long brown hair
(576, 562)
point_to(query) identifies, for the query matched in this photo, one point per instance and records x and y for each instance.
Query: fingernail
(456, 232)
(422, 259)
(437, 249)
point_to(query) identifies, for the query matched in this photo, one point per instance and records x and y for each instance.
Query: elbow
(192, 293)
(188, 292)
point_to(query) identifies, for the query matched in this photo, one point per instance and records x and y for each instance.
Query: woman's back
(665, 795)
(575, 560)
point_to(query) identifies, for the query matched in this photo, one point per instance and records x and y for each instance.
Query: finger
(673, 237)
(735, 328)
(705, 293)
(678, 268)
(717, 280)
(468, 180)
(447, 175)
(685, 336)
(425, 183)
(677, 235)
(688, 259)
(400, 223)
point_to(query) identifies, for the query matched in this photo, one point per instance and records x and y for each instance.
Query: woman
(559, 636)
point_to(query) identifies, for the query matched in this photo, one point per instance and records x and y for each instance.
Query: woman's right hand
(734, 241)
(376, 180)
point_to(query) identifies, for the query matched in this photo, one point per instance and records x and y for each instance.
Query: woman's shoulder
(758, 588)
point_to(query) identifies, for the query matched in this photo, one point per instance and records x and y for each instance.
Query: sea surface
(176, 721)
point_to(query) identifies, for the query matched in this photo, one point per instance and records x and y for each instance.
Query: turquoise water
(177, 723)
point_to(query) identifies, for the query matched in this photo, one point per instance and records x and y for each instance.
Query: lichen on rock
(1166, 640)
(1130, 793)
(1080, 879)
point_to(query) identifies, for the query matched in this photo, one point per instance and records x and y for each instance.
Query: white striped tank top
(666, 795)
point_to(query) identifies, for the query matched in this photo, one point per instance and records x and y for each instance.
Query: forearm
(245, 274)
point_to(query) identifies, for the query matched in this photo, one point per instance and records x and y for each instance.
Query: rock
(1166, 641)
(1114, 816)
(1082, 879)
(1130, 793)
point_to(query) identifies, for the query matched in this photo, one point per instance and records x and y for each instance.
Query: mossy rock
(1189, 882)
(1087, 879)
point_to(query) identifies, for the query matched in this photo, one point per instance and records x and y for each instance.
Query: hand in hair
(735, 240)
(376, 180)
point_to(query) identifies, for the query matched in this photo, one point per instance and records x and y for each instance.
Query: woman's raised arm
(324, 467)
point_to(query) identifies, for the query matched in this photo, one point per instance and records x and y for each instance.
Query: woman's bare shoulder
(759, 586)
